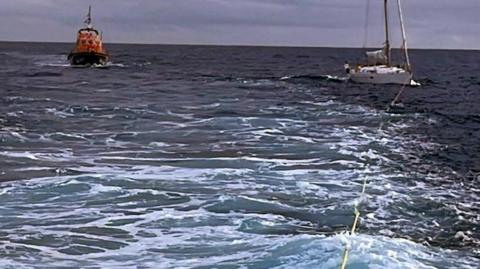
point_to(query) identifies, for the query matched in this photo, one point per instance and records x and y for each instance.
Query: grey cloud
(430, 23)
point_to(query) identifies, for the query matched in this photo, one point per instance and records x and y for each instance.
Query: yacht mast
(387, 39)
(404, 35)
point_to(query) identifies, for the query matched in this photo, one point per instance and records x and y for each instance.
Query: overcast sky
(430, 23)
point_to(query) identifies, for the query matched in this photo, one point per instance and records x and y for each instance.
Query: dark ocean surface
(235, 157)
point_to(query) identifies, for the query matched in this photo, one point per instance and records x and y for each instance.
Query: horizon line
(239, 45)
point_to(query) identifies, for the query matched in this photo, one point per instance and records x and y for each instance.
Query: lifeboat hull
(87, 58)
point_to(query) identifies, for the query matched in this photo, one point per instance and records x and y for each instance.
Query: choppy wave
(163, 163)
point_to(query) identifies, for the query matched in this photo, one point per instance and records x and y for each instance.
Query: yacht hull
(382, 75)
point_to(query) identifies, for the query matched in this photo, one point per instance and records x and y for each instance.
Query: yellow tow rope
(355, 224)
(357, 212)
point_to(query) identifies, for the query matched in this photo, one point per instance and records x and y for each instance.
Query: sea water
(235, 157)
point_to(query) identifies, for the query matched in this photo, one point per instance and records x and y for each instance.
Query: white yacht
(379, 68)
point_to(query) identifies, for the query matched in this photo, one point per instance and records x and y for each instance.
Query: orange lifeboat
(89, 49)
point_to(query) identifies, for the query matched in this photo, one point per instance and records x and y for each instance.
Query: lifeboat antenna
(88, 20)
